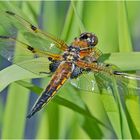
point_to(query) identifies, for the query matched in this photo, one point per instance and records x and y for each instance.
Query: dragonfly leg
(43, 72)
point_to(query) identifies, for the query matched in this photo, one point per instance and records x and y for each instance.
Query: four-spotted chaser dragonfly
(79, 58)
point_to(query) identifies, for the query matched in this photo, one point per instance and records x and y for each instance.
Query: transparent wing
(12, 24)
(34, 44)
(38, 66)
(96, 53)
(24, 55)
(85, 82)
(128, 84)
(111, 76)
(8, 46)
(103, 82)
(93, 53)
(91, 82)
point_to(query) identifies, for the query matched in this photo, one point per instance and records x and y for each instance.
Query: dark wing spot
(31, 49)
(10, 13)
(33, 27)
(117, 73)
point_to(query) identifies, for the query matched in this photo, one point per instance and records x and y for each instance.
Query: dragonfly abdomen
(59, 78)
(46, 95)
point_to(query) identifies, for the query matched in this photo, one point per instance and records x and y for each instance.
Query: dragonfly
(79, 58)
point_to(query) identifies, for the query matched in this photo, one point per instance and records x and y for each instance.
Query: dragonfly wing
(92, 53)
(8, 45)
(85, 82)
(38, 66)
(102, 82)
(11, 23)
(126, 84)
(96, 53)
(33, 60)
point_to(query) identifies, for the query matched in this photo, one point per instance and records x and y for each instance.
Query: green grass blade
(43, 129)
(17, 100)
(125, 45)
(114, 23)
(78, 11)
(61, 101)
(126, 61)
(15, 113)
(14, 73)
(124, 36)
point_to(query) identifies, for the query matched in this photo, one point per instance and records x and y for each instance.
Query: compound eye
(90, 38)
(93, 40)
(83, 36)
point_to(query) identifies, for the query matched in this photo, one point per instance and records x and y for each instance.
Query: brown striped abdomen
(59, 78)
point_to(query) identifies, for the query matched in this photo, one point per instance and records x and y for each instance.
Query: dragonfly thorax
(71, 54)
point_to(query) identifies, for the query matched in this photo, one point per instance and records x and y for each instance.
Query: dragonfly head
(90, 38)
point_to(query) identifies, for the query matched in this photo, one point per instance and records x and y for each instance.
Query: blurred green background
(74, 113)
